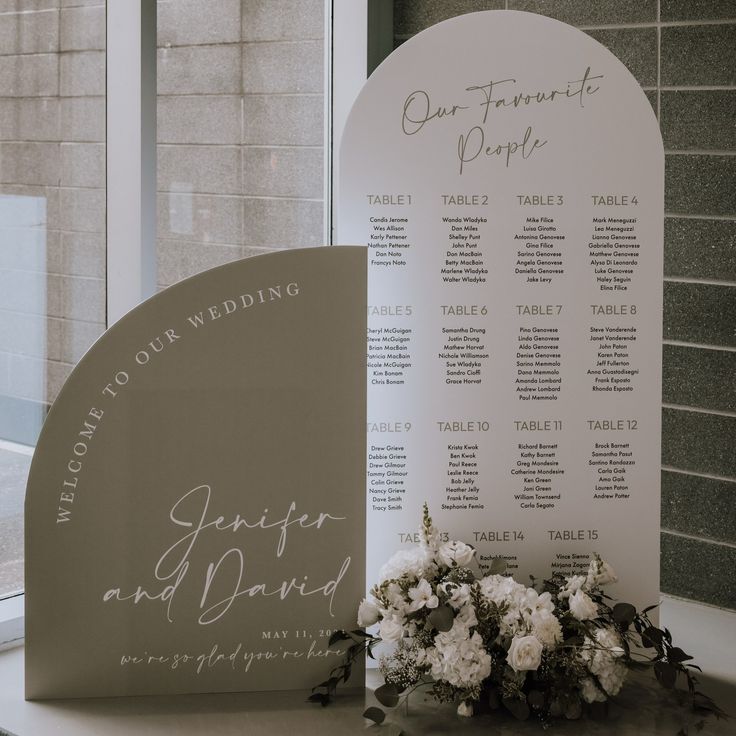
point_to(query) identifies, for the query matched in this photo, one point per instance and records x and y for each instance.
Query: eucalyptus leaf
(442, 618)
(498, 566)
(387, 695)
(374, 714)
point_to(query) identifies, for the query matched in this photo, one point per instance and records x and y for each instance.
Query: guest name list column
(514, 228)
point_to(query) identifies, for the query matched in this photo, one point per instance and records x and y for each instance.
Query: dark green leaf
(320, 698)
(442, 617)
(651, 637)
(666, 674)
(346, 674)
(624, 614)
(675, 654)
(337, 636)
(374, 714)
(360, 633)
(498, 566)
(518, 708)
(387, 695)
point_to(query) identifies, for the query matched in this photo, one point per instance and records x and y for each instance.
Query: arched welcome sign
(194, 513)
(506, 172)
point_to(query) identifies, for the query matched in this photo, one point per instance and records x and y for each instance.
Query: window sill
(702, 631)
(11, 622)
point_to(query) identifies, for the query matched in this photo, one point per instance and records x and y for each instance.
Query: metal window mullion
(131, 155)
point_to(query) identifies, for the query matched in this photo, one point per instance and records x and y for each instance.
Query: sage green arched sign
(195, 508)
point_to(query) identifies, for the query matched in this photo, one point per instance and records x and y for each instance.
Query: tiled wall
(683, 53)
(240, 130)
(52, 200)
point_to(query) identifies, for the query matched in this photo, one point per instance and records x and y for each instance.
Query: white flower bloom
(582, 606)
(501, 589)
(391, 629)
(610, 640)
(458, 658)
(465, 709)
(367, 613)
(414, 562)
(546, 628)
(590, 692)
(458, 595)
(533, 603)
(600, 573)
(456, 553)
(603, 658)
(464, 620)
(421, 596)
(431, 538)
(525, 653)
(574, 584)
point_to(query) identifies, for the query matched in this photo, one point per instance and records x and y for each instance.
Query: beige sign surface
(195, 513)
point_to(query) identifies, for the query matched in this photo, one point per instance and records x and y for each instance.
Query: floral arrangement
(556, 649)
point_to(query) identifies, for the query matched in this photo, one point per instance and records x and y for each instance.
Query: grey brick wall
(240, 131)
(683, 53)
(52, 200)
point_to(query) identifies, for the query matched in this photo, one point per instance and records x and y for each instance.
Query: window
(52, 233)
(244, 160)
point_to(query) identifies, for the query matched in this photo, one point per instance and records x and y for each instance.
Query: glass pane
(240, 130)
(52, 227)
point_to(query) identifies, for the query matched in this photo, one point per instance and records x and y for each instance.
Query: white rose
(456, 553)
(391, 629)
(465, 709)
(367, 613)
(582, 606)
(525, 653)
